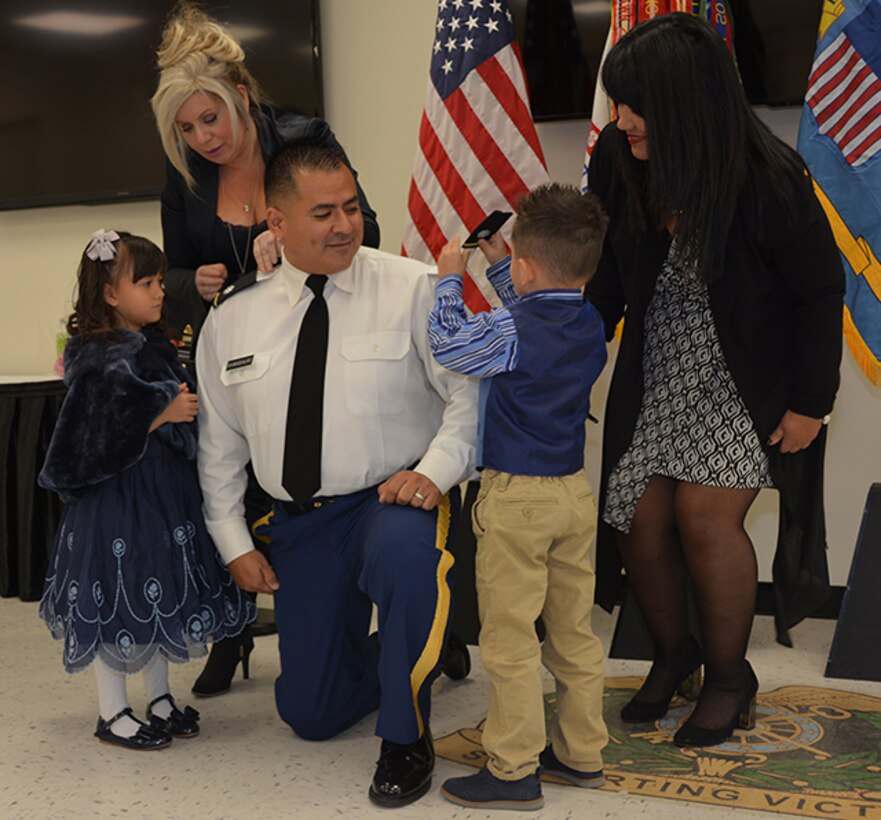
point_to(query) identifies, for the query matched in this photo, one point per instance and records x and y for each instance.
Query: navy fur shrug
(115, 391)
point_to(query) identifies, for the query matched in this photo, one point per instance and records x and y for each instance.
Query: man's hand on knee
(253, 573)
(408, 487)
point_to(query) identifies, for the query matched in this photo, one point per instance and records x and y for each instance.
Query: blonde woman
(217, 134)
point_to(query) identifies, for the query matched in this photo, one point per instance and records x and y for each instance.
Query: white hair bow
(101, 245)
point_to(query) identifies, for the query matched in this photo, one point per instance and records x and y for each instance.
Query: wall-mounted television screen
(562, 43)
(75, 120)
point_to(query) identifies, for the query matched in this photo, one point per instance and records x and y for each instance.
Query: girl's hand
(451, 259)
(182, 408)
(267, 252)
(493, 248)
(210, 279)
(795, 432)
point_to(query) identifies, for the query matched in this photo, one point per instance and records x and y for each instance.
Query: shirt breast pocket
(375, 371)
(250, 388)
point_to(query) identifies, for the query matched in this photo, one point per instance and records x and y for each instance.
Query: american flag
(840, 140)
(478, 148)
(845, 90)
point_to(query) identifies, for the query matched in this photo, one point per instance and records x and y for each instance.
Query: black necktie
(301, 475)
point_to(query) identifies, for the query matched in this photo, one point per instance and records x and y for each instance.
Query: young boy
(535, 515)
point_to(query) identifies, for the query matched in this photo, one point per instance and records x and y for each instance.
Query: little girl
(134, 578)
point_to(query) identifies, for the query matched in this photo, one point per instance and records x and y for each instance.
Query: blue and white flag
(840, 140)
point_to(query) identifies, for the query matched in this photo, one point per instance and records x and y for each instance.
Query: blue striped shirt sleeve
(482, 345)
(499, 276)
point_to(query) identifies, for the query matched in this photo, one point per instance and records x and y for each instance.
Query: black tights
(681, 530)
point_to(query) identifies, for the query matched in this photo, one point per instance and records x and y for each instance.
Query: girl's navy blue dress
(133, 570)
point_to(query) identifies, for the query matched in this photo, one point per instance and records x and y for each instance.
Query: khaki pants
(534, 557)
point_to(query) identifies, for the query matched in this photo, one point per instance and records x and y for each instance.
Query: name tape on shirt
(236, 364)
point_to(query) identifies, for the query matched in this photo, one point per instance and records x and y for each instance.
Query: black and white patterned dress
(693, 425)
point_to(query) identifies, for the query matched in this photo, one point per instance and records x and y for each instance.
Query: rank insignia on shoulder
(238, 286)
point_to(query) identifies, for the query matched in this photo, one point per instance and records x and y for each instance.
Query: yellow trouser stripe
(431, 652)
(260, 522)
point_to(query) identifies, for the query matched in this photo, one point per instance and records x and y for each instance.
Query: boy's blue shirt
(537, 356)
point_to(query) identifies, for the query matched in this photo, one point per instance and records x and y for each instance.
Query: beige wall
(376, 57)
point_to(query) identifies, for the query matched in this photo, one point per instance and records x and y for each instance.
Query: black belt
(296, 508)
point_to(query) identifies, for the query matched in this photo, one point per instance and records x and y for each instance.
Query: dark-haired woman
(722, 263)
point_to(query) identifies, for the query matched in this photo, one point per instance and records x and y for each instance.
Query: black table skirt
(28, 514)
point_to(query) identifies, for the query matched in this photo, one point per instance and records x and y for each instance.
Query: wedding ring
(419, 496)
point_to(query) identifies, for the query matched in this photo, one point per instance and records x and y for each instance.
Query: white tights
(112, 696)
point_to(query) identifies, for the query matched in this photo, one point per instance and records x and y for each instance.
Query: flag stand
(854, 653)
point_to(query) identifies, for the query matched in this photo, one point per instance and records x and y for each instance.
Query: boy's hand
(451, 259)
(493, 248)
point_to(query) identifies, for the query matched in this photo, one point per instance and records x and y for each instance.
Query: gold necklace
(245, 202)
(241, 261)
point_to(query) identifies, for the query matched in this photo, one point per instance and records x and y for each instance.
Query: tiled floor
(246, 763)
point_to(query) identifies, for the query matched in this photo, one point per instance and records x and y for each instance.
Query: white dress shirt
(387, 403)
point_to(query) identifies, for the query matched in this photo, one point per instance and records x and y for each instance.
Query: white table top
(28, 378)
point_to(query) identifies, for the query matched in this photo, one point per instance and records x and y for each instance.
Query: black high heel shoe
(689, 687)
(455, 661)
(216, 677)
(690, 734)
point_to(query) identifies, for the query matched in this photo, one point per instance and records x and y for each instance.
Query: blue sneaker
(486, 791)
(552, 765)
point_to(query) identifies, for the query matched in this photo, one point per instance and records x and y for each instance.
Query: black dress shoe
(216, 677)
(690, 734)
(689, 686)
(403, 772)
(179, 723)
(147, 738)
(455, 660)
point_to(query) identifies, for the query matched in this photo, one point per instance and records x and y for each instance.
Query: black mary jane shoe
(455, 660)
(403, 772)
(146, 739)
(179, 723)
(690, 734)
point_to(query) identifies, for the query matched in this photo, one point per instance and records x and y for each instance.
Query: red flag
(478, 149)
(625, 15)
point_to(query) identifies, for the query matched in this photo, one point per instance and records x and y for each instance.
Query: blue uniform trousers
(331, 564)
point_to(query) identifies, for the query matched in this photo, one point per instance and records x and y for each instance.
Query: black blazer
(777, 307)
(188, 216)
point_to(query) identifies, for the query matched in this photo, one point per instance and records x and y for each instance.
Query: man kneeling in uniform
(321, 375)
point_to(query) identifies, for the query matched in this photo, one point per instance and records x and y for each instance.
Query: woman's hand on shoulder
(267, 252)
(182, 408)
(795, 432)
(210, 279)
